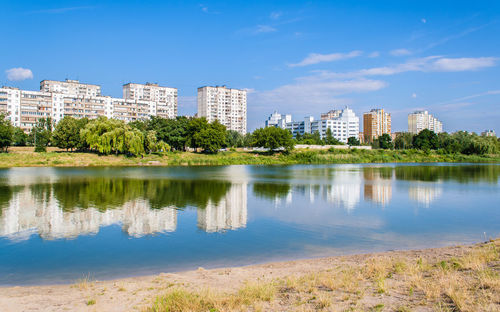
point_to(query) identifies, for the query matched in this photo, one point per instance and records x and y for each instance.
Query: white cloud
(400, 52)
(61, 10)
(414, 95)
(463, 64)
(426, 64)
(275, 15)
(18, 74)
(423, 20)
(315, 58)
(374, 54)
(264, 29)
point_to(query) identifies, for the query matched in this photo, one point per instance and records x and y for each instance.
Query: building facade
(228, 106)
(57, 99)
(278, 120)
(420, 120)
(489, 133)
(343, 126)
(375, 123)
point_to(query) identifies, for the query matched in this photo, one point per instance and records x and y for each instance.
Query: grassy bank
(389, 282)
(25, 157)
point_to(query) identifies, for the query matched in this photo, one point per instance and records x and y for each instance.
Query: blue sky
(302, 58)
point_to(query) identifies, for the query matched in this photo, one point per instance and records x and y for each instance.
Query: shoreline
(25, 157)
(404, 279)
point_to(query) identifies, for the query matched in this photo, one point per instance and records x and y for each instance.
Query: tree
(67, 133)
(426, 140)
(171, 131)
(6, 132)
(385, 141)
(353, 141)
(403, 140)
(19, 137)
(211, 138)
(273, 138)
(330, 139)
(234, 139)
(195, 125)
(41, 134)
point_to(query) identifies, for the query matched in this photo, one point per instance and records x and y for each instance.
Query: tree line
(159, 135)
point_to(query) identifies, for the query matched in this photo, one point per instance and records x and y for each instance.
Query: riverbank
(25, 157)
(458, 278)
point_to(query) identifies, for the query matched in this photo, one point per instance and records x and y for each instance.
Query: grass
(25, 157)
(468, 282)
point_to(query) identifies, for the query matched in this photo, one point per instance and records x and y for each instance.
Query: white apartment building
(278, 120)
(420, 120)
(57, 99)
(228, 106)
(165, 97)
(484, 133)
(344, 126)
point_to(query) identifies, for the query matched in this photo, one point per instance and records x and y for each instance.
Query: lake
(61, 224)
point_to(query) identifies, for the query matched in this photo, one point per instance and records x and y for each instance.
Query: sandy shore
(330, 284)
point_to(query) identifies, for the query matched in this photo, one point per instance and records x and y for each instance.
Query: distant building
(489, 133)
(228, 106)
(278, 120)
(344, 126)
(334, 113)
(57, 99)
(165, 97)
(375, 123)
(420, 120)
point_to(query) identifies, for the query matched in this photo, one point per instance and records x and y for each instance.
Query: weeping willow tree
(108, 136)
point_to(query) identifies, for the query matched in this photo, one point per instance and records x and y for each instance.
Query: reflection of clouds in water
(25, 216)
(229, 213)
(425, 193)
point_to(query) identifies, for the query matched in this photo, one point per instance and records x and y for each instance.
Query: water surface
(60, 224)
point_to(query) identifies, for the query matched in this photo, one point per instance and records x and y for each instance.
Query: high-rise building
(489, 133)
(375, 123)
(344, 126)
(165, 97)
(228, 106)
(57, 99)
(420, 120)
(278, 120)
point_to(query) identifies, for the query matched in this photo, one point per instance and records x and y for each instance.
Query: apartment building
(484, 133)
(165, 97)
(375, 123)
(278, 120)
(228, 106)
(343, 126)
(57, 99)
(420, 120)
(334, 113)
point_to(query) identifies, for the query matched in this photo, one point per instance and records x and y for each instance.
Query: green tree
(353, 141)
(234, 139)
(19, 137)
(171, 131)
(330, 139)
(385, 141)
(41, 134)
(273, 138)
(247, 140)
(403, 140)
(6, 132)
(195, 125)
(426, 140)
(67, 133)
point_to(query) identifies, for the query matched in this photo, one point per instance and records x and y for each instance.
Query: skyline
(296, 58)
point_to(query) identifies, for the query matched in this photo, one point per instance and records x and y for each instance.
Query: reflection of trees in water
(377, 173)
(105, 193)
(462, 174)
(271, 190)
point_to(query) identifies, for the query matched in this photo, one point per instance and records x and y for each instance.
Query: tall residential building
(57, 99)
(228, 106)
(278, 120)
(70, 87)
(420, 120)
(165, 97)
(375, 123)
(344, 126)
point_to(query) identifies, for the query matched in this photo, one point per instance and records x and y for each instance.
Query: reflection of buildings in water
(25, 216)
(424, 193)
(377, 189)
(229, 213)
(345, 189)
